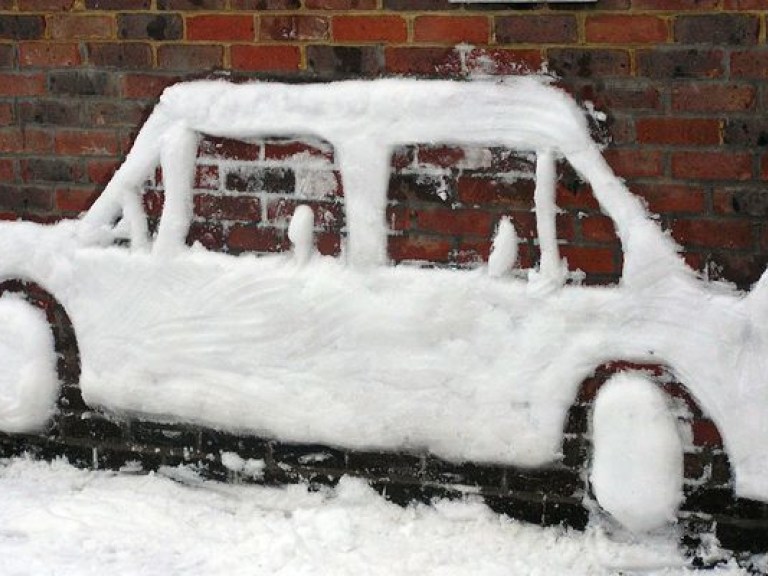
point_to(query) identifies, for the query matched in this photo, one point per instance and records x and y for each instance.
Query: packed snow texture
(29, 384)
(339, 351)
(60, 521)
(637, 463)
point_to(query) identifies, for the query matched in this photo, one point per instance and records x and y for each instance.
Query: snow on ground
(57, 520)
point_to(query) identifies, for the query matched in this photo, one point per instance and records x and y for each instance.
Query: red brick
(266, 58)
(293, 27)
(598, 229)
(207, 177)
(245, 238)
(86, 143)
(451, 29)
(764, 167)
(538, 29)
(153, 203)
(148, 86)
(626, 29)
(221, 28)
(75, 200)
(591, 260)
(578, 198)
(455, 222)
(710, 233)
(442, 156)
(712, 165)
(636, 96)
(750, 64)
(397, 218)
(490, 190)
(369, 29)
(418, 248)
(101, 171)
(671, 198)
(328, 243)
(7, 170)
(6, 114)
(705, 433)
(690, 131)
(265, 4)
(22, 84)
(27, 140)
(48, 54)
(208, 234)
(190, 56)
(701, 97)
(235, 208)
(340, 4)
(635, 163)
(77, 27)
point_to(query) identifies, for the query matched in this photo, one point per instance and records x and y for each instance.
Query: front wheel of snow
(637, 463)
(29, 382)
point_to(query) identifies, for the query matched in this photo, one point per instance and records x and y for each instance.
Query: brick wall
(683, 83)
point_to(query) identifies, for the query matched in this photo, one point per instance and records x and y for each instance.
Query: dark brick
(346, 60)
(293, 28)
(539, 29)
(746, 201)
(552, 481)
(191, 4)
(117, 458)
(118, 4)
(50, 170)
(418, 187)
(81, 83)
(190, 56)
(21, 27)
(384, 465)
(518, 507)
(570, 514)
(272, 180)
(308, 455)
(437, 470)
(681, 63)
(111, 113)
(719, 29)
(215, 441)
(125, 56)
(7, 56)
(751, 132)
(22, 199)
(747, 536)
(586, 63)
(150, 26)
(78, 456)
(91, 426)
(154, 434)
(514, 194)
(404, 493)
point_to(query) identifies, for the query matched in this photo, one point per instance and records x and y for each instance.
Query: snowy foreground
(57, 520)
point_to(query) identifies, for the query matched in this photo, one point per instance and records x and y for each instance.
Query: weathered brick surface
(682, 83)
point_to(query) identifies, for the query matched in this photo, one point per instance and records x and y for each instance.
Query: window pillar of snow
(551, 269)
(365, 177)
(177, 158)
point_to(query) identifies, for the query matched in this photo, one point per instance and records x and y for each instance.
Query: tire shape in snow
(637, 462)
(29, 383)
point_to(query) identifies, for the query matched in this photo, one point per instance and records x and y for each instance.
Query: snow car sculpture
(465, 364)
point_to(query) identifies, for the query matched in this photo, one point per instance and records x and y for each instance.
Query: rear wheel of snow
(28, 380)
(637, 467)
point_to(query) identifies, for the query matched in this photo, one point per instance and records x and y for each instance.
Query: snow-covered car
(478, 365)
